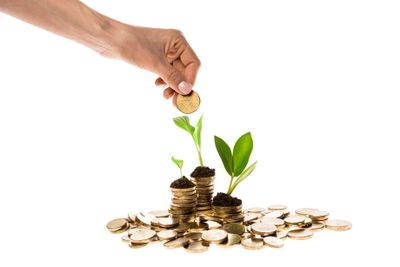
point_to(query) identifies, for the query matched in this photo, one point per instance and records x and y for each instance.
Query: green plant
(183, 122)
(235, 162)
(178, 163)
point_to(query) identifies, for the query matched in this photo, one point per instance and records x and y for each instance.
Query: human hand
(164, 52)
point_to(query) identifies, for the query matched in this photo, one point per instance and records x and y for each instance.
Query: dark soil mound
(225, 200)
(203, 171)
(182, 183)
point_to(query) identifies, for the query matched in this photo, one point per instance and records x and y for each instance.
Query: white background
(84, 139)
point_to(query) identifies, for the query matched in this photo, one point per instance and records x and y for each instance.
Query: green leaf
(243, 176)
(178, 162)
(225, 153)
(241, 153)
(184, 123)
(197, 132)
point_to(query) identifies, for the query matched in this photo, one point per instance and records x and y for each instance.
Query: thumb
(175, 79)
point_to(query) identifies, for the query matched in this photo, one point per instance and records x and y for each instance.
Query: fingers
(175, 79)
(168, 93)
(191, 63)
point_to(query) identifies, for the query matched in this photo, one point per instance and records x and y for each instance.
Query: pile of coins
(205, 191)
(183, 203)
(258, 229)
(229, 214)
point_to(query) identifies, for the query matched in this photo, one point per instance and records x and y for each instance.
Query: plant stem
(200, 158)
(180, 169)
(230, 185)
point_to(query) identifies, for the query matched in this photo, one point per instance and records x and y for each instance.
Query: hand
(164, 52)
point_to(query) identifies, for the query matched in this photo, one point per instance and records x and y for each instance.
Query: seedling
(178, 163)
(183, 122)
(235, 162)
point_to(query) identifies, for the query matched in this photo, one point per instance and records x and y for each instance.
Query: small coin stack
(184, 200)
(229, 214)
(205, 191)
(260, 228)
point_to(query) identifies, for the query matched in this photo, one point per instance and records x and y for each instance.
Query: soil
(225, 200)
(202, 171)
(182, 183)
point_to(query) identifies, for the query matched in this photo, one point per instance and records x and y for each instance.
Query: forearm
(69, 18)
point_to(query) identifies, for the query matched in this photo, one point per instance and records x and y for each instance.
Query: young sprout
(235, 162)
(178, 163)
(183, 122)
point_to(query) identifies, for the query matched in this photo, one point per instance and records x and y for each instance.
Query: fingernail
(185, 87)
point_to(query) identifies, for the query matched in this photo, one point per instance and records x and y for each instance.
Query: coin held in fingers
(188, 103)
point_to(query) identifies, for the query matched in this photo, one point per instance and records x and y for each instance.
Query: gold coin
(159, 213)
(338, 225)
(186, 190)
(126, 239)
(300, 234)
(254, 210)
(277, 207)
(232, 240)
(137, 245)
(249, 243)
(250, 217)
(317, 226)
(118, 225)
(132, 217)
(273, 242)
(263, 229)
(177, 243)
(305, 211)
(188, 103)
(194, 236)
(144, 219)
(167, 234)
(197, 227)
(307, 223)
(282, 234)
(167, 222)
(274, 214)
(215, 236)
(234, 228)
(294, 219)
(213, 225)
(318, 214)
(275, 221)
(196, 247)
(141, 235)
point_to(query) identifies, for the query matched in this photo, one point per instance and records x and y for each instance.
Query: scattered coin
(188, 103)
(167, 222)
(255, 210)
(274, 214)
(194, 236)
(137, 245)
(141, 235)
(234, 228)
(213, 225)
(282, 234)
(177, 243)
(305, 211)
(126, 239)
(159, 213)
(277, 207)
(338, 225)
(117, 226)
(274, 242)
(300, 234)
(167, 234)
(294, 219)
(252, 244)
(317, 226)
(275, 221)
(196, 247)
(215, 236)
(263, 229)
(233, 239)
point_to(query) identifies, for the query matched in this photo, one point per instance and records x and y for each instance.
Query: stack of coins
(229, 214)
(183, 203)
(261, 228)
(205, 191)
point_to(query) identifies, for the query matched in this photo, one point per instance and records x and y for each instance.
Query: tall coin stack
(184, 200)
(203, 178)
(205, 191)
